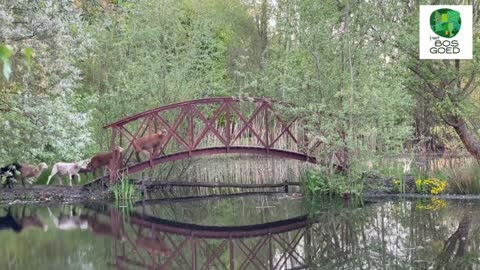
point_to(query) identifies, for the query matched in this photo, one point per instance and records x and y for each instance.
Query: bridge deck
(211, 151)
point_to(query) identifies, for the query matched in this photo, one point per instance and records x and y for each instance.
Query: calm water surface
(272, 231)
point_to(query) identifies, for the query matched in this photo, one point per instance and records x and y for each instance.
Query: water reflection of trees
(383, 235)
(386, 235)
(225, 210)
(395, 236)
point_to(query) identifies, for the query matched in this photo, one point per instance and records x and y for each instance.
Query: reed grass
(464, 180)
(123, 190)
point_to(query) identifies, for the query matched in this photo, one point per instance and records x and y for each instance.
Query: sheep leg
(150, 158)
(60, 180)
(9, 182)
(145, 153)
(53, 173)
(70, 176)
(137, 154)
(79, 179)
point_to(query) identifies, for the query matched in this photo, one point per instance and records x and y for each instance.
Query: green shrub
(123, 190)
(316, 182)
(464, 180)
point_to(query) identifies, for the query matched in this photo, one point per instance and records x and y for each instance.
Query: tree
(150, 53)
(447, 87)
(318, 59)
(39, 119)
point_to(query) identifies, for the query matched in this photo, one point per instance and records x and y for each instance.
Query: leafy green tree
(39, 119)
(345, 86)
(444, 90)
(151, 53)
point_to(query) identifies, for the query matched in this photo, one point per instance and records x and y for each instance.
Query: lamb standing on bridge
(70, 169)
(149, 144)
(103, 159)
(31, 172)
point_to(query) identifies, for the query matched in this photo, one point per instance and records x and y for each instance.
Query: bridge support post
(190, 127)
(227, 124)
(232, 257)
(113, 161)
(267, 141)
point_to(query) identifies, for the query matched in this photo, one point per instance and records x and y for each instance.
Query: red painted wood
(247, 124)
(208, 125)
(153, 120)
(197, 101)
(223, 150)
(173, 131)
(228, 124)
(113, 165)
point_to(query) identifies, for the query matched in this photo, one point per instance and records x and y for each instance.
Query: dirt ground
(46, 194)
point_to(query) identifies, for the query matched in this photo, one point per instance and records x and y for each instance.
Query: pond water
(249, 231)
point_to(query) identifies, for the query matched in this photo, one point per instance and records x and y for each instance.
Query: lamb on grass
(31, 172)
(68, 169)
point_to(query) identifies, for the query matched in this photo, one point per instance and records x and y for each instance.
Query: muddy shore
(53, 194)
(80, 194)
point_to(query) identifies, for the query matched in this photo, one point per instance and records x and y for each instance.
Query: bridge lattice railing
(213, 124)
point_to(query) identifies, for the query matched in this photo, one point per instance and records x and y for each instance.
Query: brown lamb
(30, 172)
(150, 144)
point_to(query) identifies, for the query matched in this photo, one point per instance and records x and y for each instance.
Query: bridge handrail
(191, 102)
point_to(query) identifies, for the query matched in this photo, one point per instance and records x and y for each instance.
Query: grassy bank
(464, 180)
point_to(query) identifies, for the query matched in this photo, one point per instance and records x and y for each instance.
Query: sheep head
(83, 164)
(43, 166)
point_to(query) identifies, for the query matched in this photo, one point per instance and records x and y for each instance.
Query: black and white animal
(9, 174)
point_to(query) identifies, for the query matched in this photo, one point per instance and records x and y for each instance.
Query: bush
(430, 186)
(464, 180)
(316, 182)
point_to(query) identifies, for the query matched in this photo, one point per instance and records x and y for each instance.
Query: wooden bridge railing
(210, 126)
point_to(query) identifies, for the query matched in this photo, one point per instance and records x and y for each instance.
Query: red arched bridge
(210, 126)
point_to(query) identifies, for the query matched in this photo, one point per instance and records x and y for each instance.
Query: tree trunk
(468, 139)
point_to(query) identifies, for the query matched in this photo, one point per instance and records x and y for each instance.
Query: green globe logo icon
(445, 22)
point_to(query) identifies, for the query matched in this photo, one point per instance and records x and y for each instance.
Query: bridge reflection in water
(148, 242)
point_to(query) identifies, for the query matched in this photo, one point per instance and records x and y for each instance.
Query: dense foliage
(351, 67)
